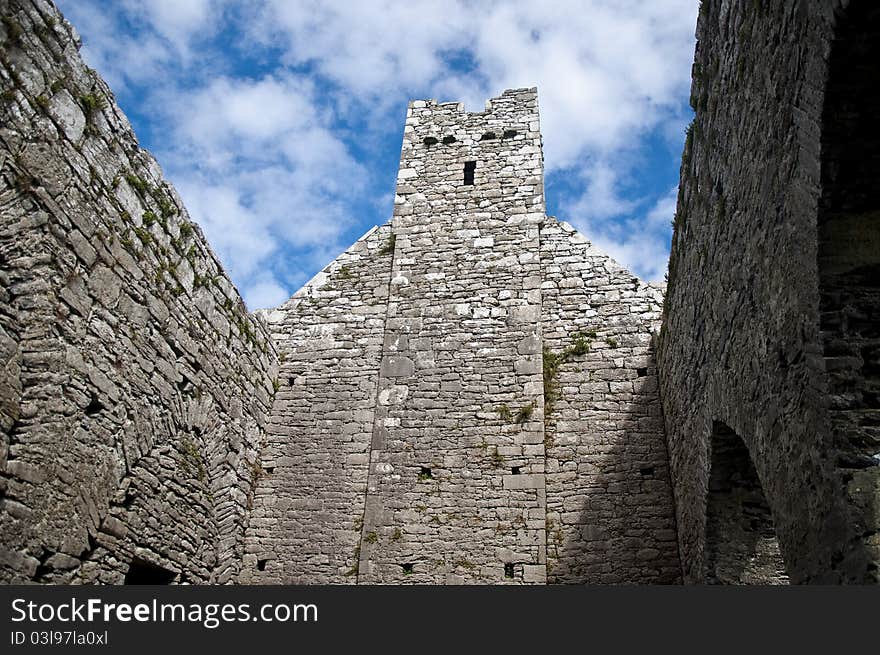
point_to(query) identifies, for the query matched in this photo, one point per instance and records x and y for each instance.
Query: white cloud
(265, 160)
(370, 48)
(601, 197)
(605, 72)
(119, 58)
(176, 20)
(640, 243)
(239, 235)
(261, 170)
(140, 42)
(265, 293)
(257, 111)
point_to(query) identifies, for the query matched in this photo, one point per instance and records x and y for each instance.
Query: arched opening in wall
(741, 545)
(849, 253)
(143, 572)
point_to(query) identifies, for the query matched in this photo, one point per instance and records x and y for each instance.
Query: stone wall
(610, 515)
(410, 439)
(743, 345)
(135, 386)
(308, 509)
(411, 430)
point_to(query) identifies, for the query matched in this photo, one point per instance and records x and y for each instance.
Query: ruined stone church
(472, 393)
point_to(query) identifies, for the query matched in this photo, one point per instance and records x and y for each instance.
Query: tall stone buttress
(468, 394)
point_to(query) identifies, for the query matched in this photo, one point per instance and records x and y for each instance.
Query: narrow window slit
(469, 168)
(508, 570)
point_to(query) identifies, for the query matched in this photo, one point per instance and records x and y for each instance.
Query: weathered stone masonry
(135, 387)
(609, 500)
(769, 351)
(308, 508)
(469, 394)
(412, 439)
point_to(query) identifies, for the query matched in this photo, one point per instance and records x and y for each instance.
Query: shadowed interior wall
(741, 341)
(610, 516)
(308, 508)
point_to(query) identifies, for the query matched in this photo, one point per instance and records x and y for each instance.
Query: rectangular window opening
(469, 168)
(508, 570)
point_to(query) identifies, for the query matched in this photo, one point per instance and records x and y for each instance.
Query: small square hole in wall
(94, 406)
(488, 136)
(448, 139)
(647, 471)
(642, 372)
(291, 381)
(516, 470)
(469, 168)
(429, 140)
(407, 568)
(508, 570)
(270, 469)
(509, 134)
(261, 564)
(425, 473)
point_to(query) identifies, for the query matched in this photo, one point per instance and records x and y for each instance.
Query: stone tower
(468, 394)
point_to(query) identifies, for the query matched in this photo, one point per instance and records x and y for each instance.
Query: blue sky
(280, 122)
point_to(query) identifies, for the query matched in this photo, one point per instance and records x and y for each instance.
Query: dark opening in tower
(849, 244)
(469, 168)
(741, 544)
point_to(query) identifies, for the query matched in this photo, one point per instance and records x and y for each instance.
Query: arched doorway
(741, 545)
